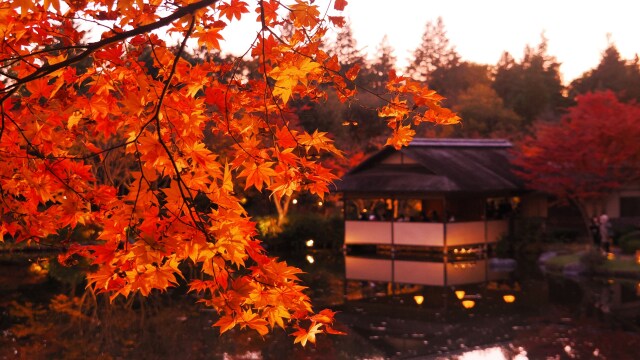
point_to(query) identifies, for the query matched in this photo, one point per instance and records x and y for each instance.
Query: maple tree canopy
(77, 109)
(591, 152)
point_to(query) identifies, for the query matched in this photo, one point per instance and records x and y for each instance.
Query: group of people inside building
(431, 210)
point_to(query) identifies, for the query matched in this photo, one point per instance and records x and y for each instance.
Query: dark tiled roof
(443, 166)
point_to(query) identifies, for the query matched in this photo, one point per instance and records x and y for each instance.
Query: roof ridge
(456, 142)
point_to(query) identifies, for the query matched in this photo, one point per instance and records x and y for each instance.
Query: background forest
(500, 100)
(503, 100)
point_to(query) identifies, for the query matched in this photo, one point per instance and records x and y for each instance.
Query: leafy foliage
(72, 101)
(592, 151)
(613, 73)
(531, 87)
(434, 52)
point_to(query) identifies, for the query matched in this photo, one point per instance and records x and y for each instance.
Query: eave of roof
(452, 165)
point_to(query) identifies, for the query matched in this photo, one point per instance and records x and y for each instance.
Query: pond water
(472, 308)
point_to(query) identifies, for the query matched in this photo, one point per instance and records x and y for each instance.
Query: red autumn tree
(591, 152)
(71, 102)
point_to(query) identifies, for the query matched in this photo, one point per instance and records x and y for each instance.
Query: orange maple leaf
(340, 5)
(353, 72)
(210, 37)
(258, 174)
(225, 323)
(401, 137)
(304, 15)
(233, 9)
(302, 335)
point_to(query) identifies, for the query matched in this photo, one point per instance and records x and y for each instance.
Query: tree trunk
(282, 207)
(586, 218)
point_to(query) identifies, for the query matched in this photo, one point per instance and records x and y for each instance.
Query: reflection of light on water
(464, 265)
(249, 355)
(460, 294)
(468, 304)
(310, 259)
(494, 353)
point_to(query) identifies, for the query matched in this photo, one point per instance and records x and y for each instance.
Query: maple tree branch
(349, 81)
(186, 194)
(92, 47)
(2, 121)
(268, 88)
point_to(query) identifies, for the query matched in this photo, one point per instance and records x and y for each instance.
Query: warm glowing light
(611, 256)
(243, 200)
(310, 259)
(455, 251)
(294, 201)
(468, 304)
(35, 267)
(419, 299)
(309, 243)
(320, 203)
(460, 294)
(637, 256)
(509, 299)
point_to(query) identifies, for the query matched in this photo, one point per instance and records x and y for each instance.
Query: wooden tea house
(450, 195)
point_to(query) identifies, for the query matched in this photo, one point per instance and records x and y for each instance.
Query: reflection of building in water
(621, 297)
(436, 193)
(418, 272)
(388, 276)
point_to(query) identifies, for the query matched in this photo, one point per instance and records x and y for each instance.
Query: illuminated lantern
(460, 294)
(419, 299)
(310, 259)
(509, 299)
(468, 304)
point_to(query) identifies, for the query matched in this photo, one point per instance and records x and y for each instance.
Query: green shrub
(629, 242)
(563, 235)
(630, 246)
(327, 232)
(629, 235)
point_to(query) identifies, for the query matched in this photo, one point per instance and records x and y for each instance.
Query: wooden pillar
(486, 226)
(445, 248)
(393, 248)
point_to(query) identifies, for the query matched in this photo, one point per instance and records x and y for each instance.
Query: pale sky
(481, 30)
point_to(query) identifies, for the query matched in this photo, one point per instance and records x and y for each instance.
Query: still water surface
(402, 309)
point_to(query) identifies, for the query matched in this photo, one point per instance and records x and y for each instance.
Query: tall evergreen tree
(346, 47)
(613, 73)
(434, 52)
(450, 81)
(532, 88)
(379, 67)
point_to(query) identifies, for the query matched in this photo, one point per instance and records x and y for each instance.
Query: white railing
(423, 233)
